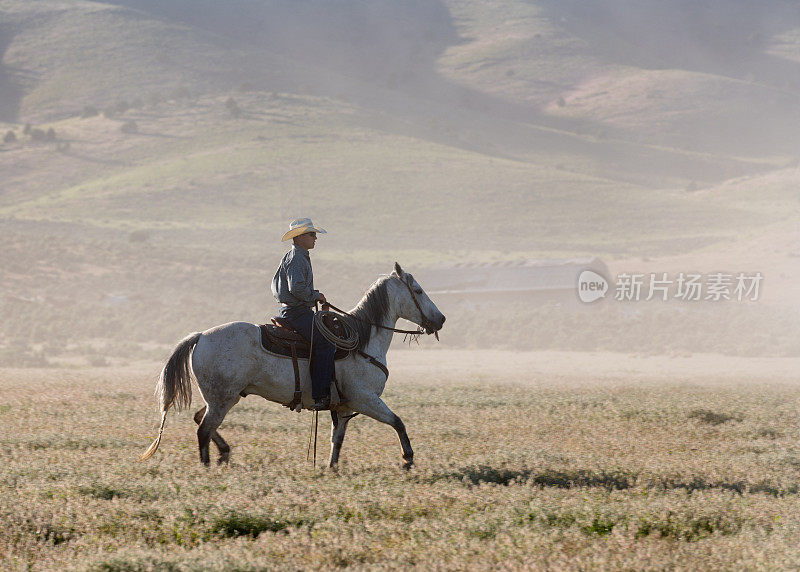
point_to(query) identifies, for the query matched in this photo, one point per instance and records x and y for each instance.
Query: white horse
(229, 362)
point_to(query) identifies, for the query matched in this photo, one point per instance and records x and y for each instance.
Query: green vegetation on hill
(206, 170)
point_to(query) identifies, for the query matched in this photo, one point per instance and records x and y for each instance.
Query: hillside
(696, 75)
(187, 134)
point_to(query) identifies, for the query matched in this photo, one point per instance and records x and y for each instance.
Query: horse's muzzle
(431, 328)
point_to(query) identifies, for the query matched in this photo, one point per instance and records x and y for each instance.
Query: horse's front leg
(375, 407)
(338, 428)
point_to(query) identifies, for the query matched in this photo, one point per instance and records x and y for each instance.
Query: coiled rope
(348, 343)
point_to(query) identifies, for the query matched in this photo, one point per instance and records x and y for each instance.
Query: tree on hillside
(10, 137)
(50, 135)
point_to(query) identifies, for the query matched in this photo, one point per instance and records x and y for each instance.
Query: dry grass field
(152, 155)
(542, 460)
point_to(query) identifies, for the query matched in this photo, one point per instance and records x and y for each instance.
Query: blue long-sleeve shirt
(293, 283)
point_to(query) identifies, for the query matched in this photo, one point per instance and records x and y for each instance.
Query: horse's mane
(372, 308)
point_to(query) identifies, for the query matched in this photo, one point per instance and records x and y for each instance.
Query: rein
(425, 321)
(412, 332)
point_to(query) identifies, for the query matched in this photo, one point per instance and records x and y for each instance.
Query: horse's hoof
(222, 460)
(407, 464)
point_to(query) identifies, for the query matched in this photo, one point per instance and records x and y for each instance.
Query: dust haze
(154, 153)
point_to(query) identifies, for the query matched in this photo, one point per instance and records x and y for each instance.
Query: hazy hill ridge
(511, 59)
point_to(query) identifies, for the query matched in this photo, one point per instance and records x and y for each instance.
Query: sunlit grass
(510, 472)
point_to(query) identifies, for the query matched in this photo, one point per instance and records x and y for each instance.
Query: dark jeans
(322, 367)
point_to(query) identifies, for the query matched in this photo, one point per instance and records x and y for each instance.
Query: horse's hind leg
(222, 445)
(208, 426)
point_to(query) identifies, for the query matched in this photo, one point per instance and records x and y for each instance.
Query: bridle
(426, 323)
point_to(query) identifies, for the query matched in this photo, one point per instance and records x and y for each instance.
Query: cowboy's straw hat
(301, 226)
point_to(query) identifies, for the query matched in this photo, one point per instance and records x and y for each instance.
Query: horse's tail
(174, 386)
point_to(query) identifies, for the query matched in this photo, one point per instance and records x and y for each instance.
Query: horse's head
(413, 303)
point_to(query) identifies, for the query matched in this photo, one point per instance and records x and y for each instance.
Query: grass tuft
(713, 417)
(689, 528)
(134, 563)
(545, 478)
(235, 525)
(101, 491)
(50, 533)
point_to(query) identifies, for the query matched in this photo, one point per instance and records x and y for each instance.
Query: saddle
(282, 339)
(279, 337)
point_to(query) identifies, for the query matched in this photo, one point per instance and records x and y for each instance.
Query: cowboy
(293, 287)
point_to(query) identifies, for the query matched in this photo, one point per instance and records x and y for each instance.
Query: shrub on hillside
(180, 93)
(89, 111)
(233, 108)
(139, 236)
(121, 106)
(129, 127)
(153, 99)
(10, 137)
(38, 134)
(19, 354)
(97, 361)
(50, 135)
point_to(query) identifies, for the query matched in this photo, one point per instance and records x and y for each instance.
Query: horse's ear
(398, 270)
